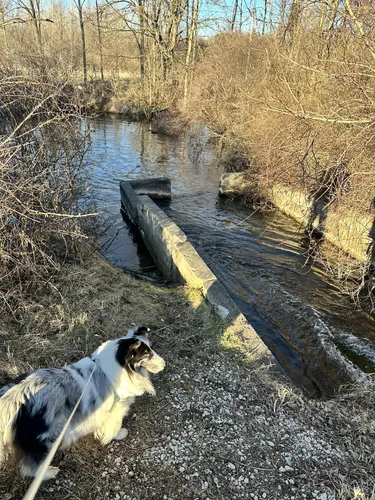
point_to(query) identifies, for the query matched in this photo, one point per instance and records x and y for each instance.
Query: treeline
(151, 41)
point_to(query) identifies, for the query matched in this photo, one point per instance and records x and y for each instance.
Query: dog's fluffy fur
(35, 407)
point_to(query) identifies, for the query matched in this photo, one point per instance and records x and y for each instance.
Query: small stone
(281, 469)
(288, 460)
(287, 468)
(231, 466)
(323, 496)
(271, 443)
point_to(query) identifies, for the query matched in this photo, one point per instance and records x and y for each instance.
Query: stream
(259, 257)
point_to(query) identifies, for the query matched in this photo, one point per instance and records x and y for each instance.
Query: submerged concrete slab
(159, 187)
(178, 260)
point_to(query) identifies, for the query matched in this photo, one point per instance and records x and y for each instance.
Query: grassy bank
(223, 424)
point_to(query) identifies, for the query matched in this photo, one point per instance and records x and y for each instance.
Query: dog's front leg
(111, 428)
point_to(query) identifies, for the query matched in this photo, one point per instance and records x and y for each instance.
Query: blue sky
(216, 14)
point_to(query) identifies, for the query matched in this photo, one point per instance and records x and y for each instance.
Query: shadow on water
(145, 260)
(259, 258)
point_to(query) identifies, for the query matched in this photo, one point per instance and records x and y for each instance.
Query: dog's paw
(51, 473)
(122, 433)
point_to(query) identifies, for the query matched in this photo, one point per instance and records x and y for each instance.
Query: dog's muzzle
(156, 364)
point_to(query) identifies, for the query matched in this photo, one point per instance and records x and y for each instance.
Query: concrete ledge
(347, 231)
(159, 187)
(179, 262)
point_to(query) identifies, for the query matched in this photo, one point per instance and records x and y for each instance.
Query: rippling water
(258, 257)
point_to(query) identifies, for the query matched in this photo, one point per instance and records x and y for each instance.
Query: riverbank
(224, 424)
(300, 164)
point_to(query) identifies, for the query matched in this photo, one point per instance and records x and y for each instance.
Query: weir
(178, 260)
(319, 369)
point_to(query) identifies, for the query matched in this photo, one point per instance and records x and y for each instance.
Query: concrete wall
(179, 262)
(348, 232)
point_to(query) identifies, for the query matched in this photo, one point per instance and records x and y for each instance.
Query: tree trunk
(234, 15)
(35, 15)
(252, 15)
(265, 16)
(282, 15)
(141, 42)
(270, 16)
(241, 14)
(100, 39)
(190, 46)
(83, 40)
(294, 20)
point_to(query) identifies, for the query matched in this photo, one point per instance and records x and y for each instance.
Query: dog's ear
(142, 330)
(134, 347)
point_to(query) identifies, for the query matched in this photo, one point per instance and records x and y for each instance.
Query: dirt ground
(223, 425)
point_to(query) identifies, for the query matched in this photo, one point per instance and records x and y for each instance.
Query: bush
(43, 193)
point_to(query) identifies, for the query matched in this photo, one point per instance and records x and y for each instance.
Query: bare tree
(234, 15)
(159, 21)
(100, 39)
(33, 9)
(190, 46)
(79, 4)
(265, 13)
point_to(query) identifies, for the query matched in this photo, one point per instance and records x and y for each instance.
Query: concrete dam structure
(177, 259)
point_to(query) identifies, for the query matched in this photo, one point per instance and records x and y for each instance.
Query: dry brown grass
(305, 117)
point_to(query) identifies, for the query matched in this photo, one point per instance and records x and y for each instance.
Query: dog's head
(135, 355)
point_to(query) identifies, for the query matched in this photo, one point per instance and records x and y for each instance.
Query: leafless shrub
(168, 123)
(43, 192)
(305, 115)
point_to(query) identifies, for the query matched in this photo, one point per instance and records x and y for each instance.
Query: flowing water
(258, 257)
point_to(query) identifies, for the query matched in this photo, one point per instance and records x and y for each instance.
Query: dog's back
(26, 418)
(35, 407)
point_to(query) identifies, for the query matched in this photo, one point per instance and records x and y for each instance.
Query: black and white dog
(35, 407)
